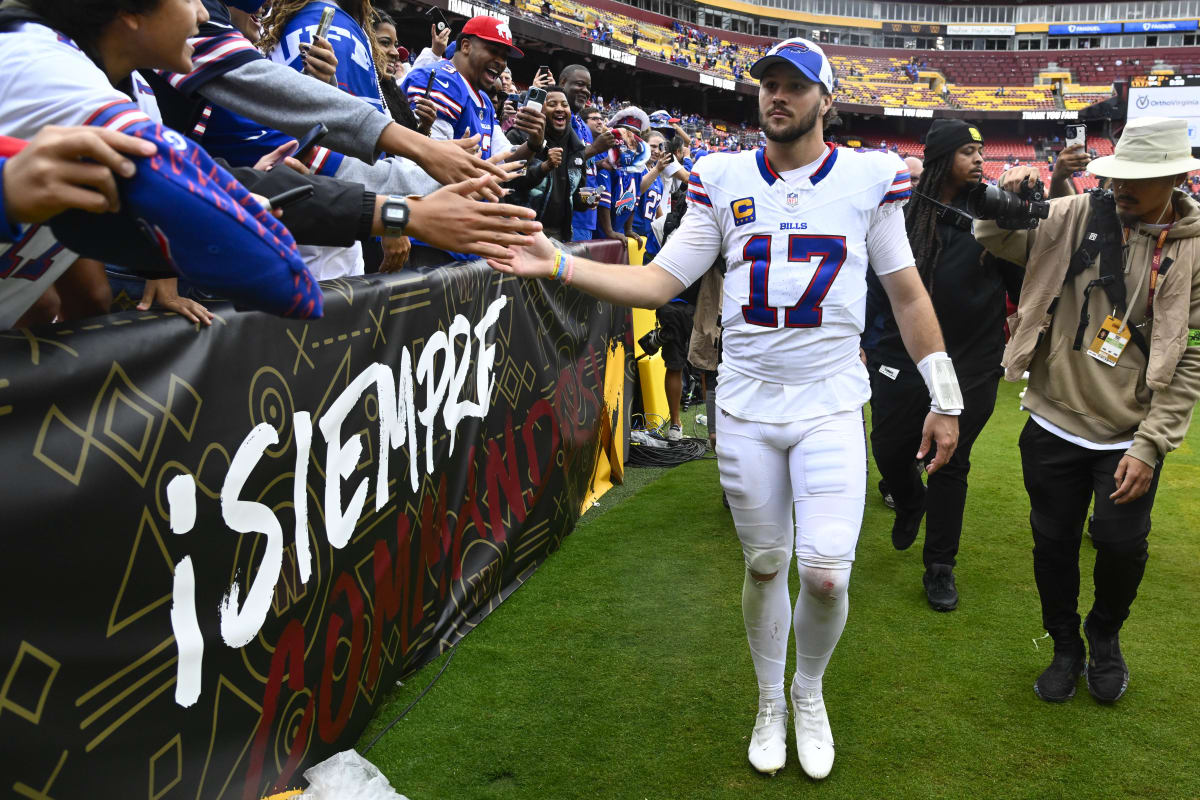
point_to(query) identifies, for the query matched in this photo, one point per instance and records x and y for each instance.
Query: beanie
(947, 135)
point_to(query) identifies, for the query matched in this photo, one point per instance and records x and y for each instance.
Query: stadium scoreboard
(1175, 96)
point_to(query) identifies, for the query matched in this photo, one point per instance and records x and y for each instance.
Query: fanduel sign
(1085, 28)
(1166, 26)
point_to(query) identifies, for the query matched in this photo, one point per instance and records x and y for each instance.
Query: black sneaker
(1057, 683)
(886, 494)
(1107, 674)
(939, 587)
(906, 526)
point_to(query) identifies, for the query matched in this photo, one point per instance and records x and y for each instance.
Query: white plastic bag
(348, 776)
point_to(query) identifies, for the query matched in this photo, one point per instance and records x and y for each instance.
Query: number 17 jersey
(796, 248)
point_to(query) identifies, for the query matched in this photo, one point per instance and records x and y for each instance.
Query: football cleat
(814, 739)
(768, 742)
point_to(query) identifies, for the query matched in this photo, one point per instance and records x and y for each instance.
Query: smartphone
(1076, 134)
(535, 98)
(311, 139)
(515, 99)
(290, 197)
(545, 69)
(437, 14)
(429, 83)
(326, 21)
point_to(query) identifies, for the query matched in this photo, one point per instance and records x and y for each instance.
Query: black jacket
(969, 287)
(534, 192)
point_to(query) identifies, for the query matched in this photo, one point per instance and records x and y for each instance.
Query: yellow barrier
(652, 370)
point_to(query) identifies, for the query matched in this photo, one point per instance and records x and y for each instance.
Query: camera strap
(1102, 240)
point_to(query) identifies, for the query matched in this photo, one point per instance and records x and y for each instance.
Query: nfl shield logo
(793, 199)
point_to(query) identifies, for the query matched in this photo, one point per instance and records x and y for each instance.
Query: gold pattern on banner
(144, 564)
(131, 428)
(25, 790)
(163, 778)
(28, 682)
(230, 701)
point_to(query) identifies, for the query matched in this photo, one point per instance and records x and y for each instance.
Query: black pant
(898, 411)
(1062, 479)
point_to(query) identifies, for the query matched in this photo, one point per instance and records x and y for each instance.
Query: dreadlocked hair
(282, 11)
(921, 218)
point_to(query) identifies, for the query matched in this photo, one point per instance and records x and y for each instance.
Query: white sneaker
(814, 739)
(675, 433)
(768, 742)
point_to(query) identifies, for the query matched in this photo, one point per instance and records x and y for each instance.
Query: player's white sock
(819, 619)
(765, 608)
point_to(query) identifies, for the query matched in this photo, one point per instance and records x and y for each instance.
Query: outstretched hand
(535, 260)
(449, 219)
(449, 161)
(940, 430)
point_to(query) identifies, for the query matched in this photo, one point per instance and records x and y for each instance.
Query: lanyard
(1155, 264)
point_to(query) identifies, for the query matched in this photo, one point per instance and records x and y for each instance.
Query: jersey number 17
(806, 313)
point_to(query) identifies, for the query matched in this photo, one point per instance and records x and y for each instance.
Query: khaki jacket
(1148, 401)
(703, 348)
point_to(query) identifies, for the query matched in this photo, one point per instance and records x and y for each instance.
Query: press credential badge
(1109, 343)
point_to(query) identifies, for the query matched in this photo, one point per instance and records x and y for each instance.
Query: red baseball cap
(491, 29)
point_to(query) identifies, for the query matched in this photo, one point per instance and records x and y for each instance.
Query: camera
(1012, 211)
(653, 341)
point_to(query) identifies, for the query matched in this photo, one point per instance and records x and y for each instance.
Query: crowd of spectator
(284, 112)
(248, 83)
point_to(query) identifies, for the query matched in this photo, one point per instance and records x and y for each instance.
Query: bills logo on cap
(797, 46)
(503, 31)
(802, 54)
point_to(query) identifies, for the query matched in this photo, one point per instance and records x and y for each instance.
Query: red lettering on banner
(509, 479)
(433, 547)
(537, 476)
(289, 658)
(331, 727)
(468, 512)
(391, 590)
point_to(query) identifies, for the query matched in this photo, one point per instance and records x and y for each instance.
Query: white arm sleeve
(500, 142)
(442, 129)
(426, 59)
(887, 240)
(694, 246)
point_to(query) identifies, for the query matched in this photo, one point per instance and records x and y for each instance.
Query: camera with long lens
(653, 341)
(1012, 211)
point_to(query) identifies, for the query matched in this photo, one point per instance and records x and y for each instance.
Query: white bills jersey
(796, 248)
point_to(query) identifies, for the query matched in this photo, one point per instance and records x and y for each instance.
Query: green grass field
(621, 669)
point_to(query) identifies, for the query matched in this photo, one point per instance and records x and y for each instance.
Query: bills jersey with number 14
(796, 254)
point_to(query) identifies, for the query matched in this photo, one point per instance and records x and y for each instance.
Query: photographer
(1111, 292)
(968, 296)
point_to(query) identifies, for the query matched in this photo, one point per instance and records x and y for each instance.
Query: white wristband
(938, 371)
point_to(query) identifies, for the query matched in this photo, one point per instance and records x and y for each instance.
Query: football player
(798, 222)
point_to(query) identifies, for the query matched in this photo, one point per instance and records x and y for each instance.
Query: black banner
(206, 589)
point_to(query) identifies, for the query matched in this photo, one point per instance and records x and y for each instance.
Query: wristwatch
(394, 215)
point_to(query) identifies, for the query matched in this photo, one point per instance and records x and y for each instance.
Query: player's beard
(791, 133)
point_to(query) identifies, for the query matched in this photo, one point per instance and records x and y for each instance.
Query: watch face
(395, 213)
